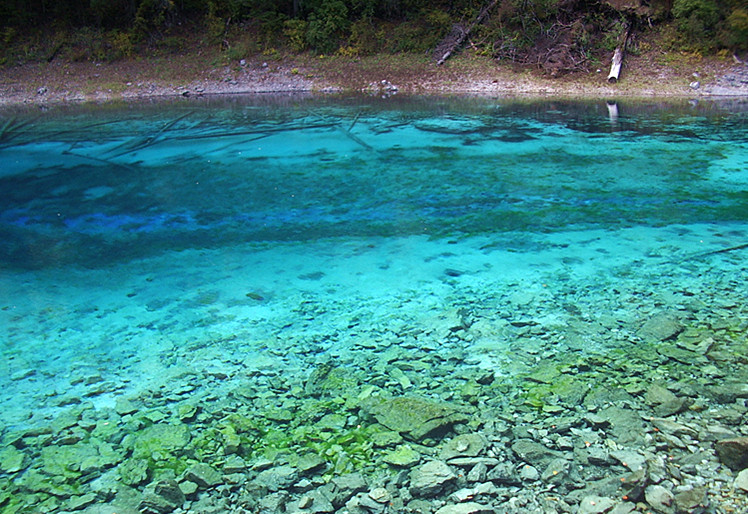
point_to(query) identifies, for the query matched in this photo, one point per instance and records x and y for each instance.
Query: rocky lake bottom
(549, 393)
(580, 349)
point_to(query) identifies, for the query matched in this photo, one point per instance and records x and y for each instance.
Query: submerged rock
(80, 460)
(595, 505)
(344, 487)
(464, 445)
(133, 472)
(664, 403)
(691, 500)
(161, 497)
(430, 479)
(12, 460)
(465, 508)
(309, 463)
(733, 452)
(277, 478)
(415, 418)
(659, 498)
(403, 456)
(161, 438)
(534, 453)
(330, 379)
(662, 326)
(203, 475)
(741, 481)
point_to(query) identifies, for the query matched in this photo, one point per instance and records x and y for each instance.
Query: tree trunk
(615, 65)
(617, 61)
(458, 35)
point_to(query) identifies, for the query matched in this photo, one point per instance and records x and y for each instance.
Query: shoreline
(62, 83)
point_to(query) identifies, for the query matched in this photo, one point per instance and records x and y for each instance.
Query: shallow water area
(266, 273)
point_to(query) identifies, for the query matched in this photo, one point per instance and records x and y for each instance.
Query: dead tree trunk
(458, 35)
(617, 62)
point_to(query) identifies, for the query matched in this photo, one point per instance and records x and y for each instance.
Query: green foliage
(735, 32)
(366, 37)
(295, 32)
(326, 26)
(114, 29)
(240, 50)
(697, 22)
(151, 19)
(112, 14)
(120, 45)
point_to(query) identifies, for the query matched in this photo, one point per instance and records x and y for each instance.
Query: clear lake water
(184, 248)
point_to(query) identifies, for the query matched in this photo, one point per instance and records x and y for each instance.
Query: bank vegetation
(558, 36)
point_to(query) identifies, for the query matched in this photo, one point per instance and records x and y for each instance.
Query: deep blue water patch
(89, 185)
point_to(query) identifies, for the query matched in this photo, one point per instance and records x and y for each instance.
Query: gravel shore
(81, 82)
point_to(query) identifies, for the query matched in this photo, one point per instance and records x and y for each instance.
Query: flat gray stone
(691, 500)
(403, 456)
(534, 453)
(161, 497)
(595, 505)
(741, 481)
(429, 479)
(203, 475)
(277, 478)
(664, 403)
(415, 418)
(504, 474)
(310, 463)
(464, 445)
(661, 326)
(465, 508)
(659, 498)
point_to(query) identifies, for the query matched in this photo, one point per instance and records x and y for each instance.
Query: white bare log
(615, 66)
(617, 61)
(466, 32)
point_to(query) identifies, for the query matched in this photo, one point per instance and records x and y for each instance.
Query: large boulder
(661, 326)
(415, 418)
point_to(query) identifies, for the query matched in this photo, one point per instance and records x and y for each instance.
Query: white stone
(741, 481)
(595, 505)
(658, 497)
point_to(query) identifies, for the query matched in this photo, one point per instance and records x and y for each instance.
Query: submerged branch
(139, 144)
(715, 252)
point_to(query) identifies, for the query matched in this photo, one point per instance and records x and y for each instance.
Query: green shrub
(120, 45)
(240, 50)
(151, 19)
(735, 32)
(295, 32)
(327, 24)
(697, 22)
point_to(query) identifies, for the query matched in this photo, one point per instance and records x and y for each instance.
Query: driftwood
(459, 34)
(743, 246)
(617, 62)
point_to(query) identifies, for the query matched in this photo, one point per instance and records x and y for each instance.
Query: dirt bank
(653, 75)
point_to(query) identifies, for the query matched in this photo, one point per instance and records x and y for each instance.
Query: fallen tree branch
(617, 61)
(715, 252)
(458, 36)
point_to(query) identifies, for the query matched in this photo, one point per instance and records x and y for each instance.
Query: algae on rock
(416, 418)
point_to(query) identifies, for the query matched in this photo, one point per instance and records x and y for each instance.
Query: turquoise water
(182, 250)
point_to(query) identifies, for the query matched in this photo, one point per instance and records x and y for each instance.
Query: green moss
(328, 379)
(12, 460)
